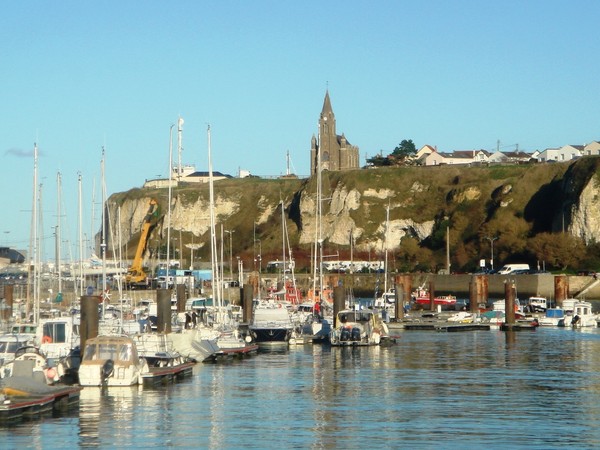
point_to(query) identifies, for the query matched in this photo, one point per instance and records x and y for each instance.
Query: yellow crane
(136, 276)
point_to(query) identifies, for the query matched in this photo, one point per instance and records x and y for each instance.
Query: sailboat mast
(33, 233)
(169, 206)
(385, 243)
(179, 146)
(38, 261)
(103, 237)
(216, 282)
(283, 240)
(317, 263)
(58, 236)
(80, 199)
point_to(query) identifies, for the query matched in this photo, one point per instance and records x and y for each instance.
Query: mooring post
(163, 306)
(399, 302)
(561, 289)
(247, 295)
(339, 302)
(509, 302)
(89, 319)
(431, 296)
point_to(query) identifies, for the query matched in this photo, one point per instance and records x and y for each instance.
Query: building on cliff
(333, 150)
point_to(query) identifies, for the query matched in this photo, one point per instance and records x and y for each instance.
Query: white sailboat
(208, 342)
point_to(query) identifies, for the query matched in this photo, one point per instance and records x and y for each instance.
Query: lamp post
(192, 247)
(492, 239)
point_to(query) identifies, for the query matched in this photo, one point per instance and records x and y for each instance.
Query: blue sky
(76, 76)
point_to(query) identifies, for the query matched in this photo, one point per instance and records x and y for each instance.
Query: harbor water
(528, 389)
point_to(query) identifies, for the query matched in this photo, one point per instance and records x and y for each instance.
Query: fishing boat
(358, 327)
(421, 297)
(111, 360)
(583, 316)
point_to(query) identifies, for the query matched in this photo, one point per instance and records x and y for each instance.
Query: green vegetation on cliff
(525, 210)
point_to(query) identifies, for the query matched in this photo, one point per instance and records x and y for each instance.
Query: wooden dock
(19, 406)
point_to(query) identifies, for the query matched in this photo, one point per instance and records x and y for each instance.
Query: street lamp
(492, 239)
(192, 247)
(259, 256)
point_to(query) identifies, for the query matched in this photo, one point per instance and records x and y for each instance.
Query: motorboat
(555, 317)
(111, 360)
(536, 305)
(358, 327)
(10, 343)
(271, 323)
(421, 297)
(58, 336)
(583, 316)
(164, 362)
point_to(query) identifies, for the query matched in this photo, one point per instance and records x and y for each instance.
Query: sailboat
(386, 302)
(210, 342)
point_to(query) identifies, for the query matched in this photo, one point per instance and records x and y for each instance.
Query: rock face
(585, 213)
(373, 209)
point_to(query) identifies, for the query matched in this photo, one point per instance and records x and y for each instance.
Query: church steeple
(334, 152)
(327, 110)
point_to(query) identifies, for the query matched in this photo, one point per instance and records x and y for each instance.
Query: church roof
(327, 105)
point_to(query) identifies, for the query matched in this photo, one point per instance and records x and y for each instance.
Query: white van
(514, 269)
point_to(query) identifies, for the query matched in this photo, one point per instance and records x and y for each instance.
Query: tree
(379, 160)
(559, 250)
(404, 150)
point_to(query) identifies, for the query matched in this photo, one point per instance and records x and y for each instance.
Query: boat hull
(262, 335)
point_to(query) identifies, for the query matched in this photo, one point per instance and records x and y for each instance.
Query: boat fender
(51, 373)
(279, 305)
(46, 340)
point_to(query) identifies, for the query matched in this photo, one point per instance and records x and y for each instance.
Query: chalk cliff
(375, 208)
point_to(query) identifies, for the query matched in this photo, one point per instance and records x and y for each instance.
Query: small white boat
(111, 360)
(555, 317)
(10, 343)
(360, 327)
(536, 304)
(583, 316)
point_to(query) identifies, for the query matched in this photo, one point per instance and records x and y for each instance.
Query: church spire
(327, 110)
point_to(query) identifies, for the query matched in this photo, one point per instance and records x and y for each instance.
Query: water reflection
(434, 390)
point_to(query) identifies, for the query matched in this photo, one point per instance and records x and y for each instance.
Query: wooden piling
(473, 297)
(163, 305)
(483, 287)
(509, 302)
(399, 303)
(561, 289)
(181, 298)
(405, 280)
(8, 302)
(247, 297)
(431, 296)
(339, 302)
(89, 319)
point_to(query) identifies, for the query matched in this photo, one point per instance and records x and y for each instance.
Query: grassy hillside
(513, 204)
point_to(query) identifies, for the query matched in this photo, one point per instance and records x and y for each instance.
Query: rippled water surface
(432, 390)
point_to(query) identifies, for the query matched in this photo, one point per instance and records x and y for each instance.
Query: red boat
(421, 297)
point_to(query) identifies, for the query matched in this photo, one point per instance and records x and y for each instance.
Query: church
(333, 151)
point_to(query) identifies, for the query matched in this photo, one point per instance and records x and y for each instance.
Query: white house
(593, 148)
(564, 153)
(457, 157)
